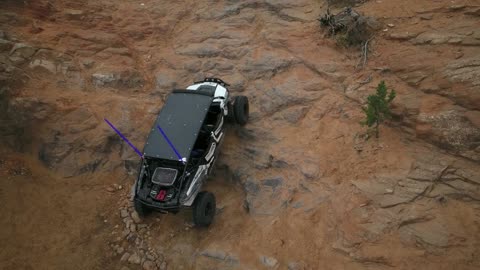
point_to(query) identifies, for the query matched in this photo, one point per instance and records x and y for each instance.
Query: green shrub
(378, 107)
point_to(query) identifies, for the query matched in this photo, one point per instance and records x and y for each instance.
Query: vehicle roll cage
(214, 80)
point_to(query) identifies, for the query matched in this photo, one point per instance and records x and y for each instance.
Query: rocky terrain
(299, 187)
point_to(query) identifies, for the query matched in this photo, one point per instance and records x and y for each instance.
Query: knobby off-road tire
(241, 110)
(204, 209)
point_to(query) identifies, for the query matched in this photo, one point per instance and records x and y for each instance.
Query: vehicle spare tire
(141, 209)
(204, 209)
(241, 110)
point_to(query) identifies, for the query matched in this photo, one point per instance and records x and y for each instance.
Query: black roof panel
(181, 118)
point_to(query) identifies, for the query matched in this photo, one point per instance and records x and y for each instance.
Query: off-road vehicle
(182, 148)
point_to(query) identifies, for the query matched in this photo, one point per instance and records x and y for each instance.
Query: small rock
(426, 17)
(272, 182)
(268, 261)
(149, 265)
(119, 250)
(110, 189)
(5, 45)
(294, 266)
(88, 63)
(150, 256)
(134, 259)
(100, 80)
(23, 50)
(125, 257)
(388, 191)
(136, 218)
(133, 228)
(390, 25)
(215, 254)
(74, 14)
(456, 7)
(123, 213)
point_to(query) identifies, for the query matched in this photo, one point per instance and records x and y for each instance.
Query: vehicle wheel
(204, 209)
(241, 110)
(230, 115)
(141, 209)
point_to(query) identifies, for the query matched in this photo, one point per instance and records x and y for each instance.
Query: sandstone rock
(294, 114)
(404, 190)
(426, 16)
(295, 266)
(265, 199)
(268, 261)
(214, 254)
(464, 70)
(261, 64)
(135, 217)
(237, 82)
(29, 108)
(13, 19)
(274, 183)
(149, 265)
(88, 63)
(5, 45)
(100, 79)
(280, 97)
(165, 82)
(23, 50)
(44, 64)
(126, 79)
(431, 233)
(449, 130)
(125, 257)
(309, 169)
(134, 259)
(79, 120)
(74, 14)
(199, 50)
(133, 228)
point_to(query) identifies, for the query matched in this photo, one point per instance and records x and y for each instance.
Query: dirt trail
(299, 187)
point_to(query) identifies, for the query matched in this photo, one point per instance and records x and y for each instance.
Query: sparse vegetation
(378, 107)
(348, 27)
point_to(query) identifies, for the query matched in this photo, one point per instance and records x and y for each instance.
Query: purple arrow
(123, 137)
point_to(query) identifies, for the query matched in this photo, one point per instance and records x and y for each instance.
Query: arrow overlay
(123, 137)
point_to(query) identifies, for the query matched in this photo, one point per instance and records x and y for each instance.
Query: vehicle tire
(241, 110)
(141, 209)
(230, 115)
(204, 209)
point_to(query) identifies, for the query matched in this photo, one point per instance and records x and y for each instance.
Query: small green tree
(378, 108)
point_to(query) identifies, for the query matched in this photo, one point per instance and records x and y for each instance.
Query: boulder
(266, 63)
(432, 233)
(450, 130)
(21, 53)
(126, 79)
